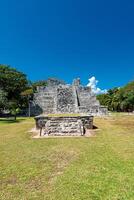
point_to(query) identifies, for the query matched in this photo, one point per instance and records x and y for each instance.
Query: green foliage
(14, 108)
(38, 83)
(3, 99)
(27, 92)
(119, 99)
(12, 81)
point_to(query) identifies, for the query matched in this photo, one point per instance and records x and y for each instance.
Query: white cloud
(93, 84)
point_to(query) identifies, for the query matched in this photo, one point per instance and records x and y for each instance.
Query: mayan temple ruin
(77, 103)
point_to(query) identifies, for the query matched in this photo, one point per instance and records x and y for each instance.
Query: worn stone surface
(73, 126)
(58, 97)
(65, 99)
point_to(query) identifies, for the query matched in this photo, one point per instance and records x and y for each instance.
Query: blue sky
(69, 38)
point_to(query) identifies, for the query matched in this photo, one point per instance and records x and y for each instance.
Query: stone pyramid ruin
(58, 97)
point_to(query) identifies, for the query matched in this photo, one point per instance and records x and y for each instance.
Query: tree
(14, 108)
(28, 94)
(3, 99)
(119, 99)
(12, 81)
(38, 83)
(105, 100)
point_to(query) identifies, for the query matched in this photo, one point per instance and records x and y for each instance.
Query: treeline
(16, 91)
(119, 99)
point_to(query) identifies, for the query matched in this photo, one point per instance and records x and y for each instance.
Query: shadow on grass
(95, 127)
(11, 120)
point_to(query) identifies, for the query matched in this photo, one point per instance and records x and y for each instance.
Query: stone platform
(64, 125)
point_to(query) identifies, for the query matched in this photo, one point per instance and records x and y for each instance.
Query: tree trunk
(15, 117)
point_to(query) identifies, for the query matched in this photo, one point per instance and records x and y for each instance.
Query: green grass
(96, 168)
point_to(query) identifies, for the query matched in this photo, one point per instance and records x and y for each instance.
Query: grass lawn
(96, 168)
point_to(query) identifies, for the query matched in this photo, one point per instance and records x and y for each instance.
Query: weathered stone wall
(45, 98)
(64, 125)
(94, 110)
(60, 98)
(65, 99)
(86, 98)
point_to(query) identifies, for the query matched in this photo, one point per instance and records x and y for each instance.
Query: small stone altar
(67, 125)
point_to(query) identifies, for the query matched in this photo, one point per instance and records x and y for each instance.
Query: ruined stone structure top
(64, 98)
